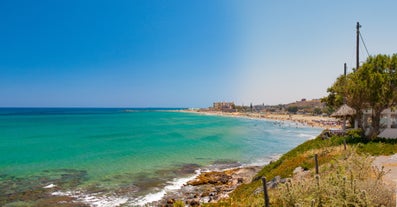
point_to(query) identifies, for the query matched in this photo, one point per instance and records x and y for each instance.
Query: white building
(388, 122)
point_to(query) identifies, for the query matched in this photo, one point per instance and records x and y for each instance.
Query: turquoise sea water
(128, 153)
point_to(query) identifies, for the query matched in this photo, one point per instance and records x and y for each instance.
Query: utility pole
(344, 95)
(357, 45)
(357, 60)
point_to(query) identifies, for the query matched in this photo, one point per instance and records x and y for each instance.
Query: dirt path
(390, 164)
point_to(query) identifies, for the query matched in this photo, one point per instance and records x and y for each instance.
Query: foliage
(347, 181)
(331, 158)
(380, 74)
(378, 147)
(317, 111)
(18, 204)
(179, 204)
(292, 109)
(302, 155)
(335, 95)
(373, 85)
(355, 133)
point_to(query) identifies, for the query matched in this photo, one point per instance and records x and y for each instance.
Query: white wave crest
(174, 185)
(94, 200)
(106, 200)
(309, 136)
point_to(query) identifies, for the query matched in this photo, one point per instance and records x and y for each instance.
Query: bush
(179, 204)
(336, 167)
(348, 181)
(292, 109)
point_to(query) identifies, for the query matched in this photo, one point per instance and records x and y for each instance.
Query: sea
(127, 156)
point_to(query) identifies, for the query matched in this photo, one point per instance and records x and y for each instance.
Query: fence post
(316, 162)
(265, 194)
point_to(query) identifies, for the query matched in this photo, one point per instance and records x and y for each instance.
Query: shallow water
(121, 156)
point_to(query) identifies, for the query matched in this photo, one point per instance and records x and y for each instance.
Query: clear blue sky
(136, 53)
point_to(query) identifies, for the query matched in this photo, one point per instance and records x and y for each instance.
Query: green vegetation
(179, 204)
(304, 106)
(292, 109)
(348, 181)
(346, 177)
(317, 111)
(373, 85)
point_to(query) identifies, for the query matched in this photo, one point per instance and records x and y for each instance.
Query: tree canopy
(371, 86)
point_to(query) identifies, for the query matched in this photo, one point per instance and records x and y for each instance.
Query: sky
(157, 53)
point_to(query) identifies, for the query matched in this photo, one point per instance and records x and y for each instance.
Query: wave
(309, 136)
(111, 199)
(93, 199)
(177, 184)
(262, 161)
(174, 185)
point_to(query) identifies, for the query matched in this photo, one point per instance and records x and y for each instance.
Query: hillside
(338, 167)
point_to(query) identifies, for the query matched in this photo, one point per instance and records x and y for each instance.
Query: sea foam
(174, 185)
(93, 199)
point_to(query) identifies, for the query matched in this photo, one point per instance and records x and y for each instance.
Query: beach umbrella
(344, 111)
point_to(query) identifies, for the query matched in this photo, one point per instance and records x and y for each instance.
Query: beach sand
(306, 120)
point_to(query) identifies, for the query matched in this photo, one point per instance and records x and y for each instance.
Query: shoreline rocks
(210, 186)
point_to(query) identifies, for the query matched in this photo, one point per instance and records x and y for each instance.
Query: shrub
(348, 181)
(336, 168)
(179, 204)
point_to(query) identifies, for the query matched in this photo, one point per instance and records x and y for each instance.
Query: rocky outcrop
(215, 178)
(210, 186)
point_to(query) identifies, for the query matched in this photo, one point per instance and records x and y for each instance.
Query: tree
(379, 75)
(373, 85)
(356, 95)
(292, 109)
(335, 95)
(317, 111)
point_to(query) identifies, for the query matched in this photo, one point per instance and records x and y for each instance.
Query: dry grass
(349, 180)
(346, 176)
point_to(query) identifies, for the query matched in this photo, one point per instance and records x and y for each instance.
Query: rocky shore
(209, 187)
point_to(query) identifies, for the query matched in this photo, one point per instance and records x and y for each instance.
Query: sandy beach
(300, 119)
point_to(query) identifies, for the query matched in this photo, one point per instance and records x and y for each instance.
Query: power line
(362, 40)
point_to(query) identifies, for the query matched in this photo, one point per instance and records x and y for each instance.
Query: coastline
(213, 185)
(299, 119)
(208, 187)
(222, 181)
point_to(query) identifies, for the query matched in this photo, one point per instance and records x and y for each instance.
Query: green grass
(328, 151)
(348, 180)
